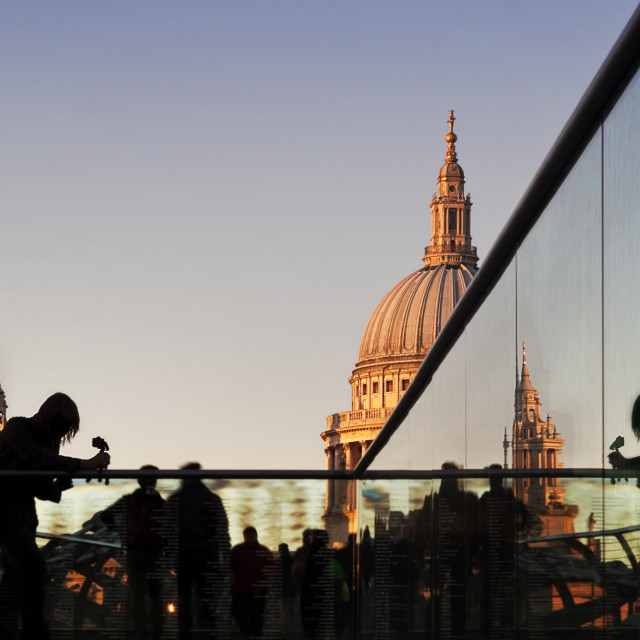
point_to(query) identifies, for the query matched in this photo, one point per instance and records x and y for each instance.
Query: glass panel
(490, 376)
(420, 422)
(560, 563)
(559, 316)
(411, 446)
(448, 391)
(434, 430)
(454, 556)
(396, 561)
(621, 553)
(621, 230)
(621, 267)
(395, 454)
(193, 559)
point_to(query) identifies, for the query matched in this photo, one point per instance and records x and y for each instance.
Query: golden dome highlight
(409, 317)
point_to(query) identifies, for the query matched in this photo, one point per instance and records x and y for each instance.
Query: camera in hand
(100, 443)
(615, 445)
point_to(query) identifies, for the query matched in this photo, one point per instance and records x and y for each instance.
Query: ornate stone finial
(451, 141)
(524, 354)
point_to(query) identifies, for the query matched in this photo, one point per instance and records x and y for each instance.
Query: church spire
(536, 444)
(451, 214)
(525, 382)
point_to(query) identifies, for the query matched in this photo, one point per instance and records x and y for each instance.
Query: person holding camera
(33, 444)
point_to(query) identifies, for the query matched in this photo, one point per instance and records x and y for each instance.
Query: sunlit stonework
(537, 445)
(400, 332)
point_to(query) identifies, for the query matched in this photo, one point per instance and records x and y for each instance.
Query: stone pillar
(330, 453)
(348, 458)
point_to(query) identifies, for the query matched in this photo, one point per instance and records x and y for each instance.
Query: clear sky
(202, 202)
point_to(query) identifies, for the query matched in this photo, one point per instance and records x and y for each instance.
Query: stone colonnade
(341, 496)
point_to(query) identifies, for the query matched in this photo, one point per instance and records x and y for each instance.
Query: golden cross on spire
(451, 141)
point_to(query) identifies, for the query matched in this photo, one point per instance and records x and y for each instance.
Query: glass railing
(453, 553)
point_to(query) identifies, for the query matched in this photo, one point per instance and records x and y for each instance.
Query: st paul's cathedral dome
(403, 327)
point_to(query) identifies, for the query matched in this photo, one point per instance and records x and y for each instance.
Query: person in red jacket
(33, 444)
(251, 576)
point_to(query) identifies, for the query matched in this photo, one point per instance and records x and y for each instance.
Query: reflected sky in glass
(490, 374)
(559, 302)
(622, 266)
(448, 397)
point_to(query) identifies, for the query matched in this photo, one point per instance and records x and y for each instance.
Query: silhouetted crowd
(312, 589)
(436, 565)
(178, 548)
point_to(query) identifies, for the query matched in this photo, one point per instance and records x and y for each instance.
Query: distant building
(537, 445)
(400, 332)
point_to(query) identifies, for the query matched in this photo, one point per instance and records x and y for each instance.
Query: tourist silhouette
(455, 531)
(616, 459)
(300, 559)
(346, 558)
(502, 517)
(33, 444)
(200, 522)
(317, 591)
(138, 517)
(251, 577)
(286, 589)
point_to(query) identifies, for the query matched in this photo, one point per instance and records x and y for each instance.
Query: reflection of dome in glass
(408, 319)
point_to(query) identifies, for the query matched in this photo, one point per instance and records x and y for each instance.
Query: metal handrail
(305, 474)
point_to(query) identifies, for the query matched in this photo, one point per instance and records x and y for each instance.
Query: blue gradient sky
(202, 202)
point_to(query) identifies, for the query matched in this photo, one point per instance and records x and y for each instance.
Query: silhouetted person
(287, 589)
(138, 518)
(317, 592)
(203, 550)
(403, 577)
(366, 560)
(616, 459)
(455, 535)
(251, 576)
(501, 515)
(300, 559)
(32, 444)
(345, 605)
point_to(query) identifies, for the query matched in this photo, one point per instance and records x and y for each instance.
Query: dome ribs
(369, 346)
(404, 296)
(410, 316)
(438, 303)
(404, 327)
(423, 342)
